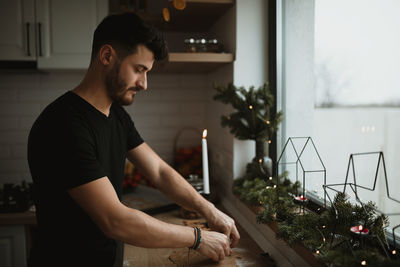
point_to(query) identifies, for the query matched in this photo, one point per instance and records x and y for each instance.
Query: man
(77, 149)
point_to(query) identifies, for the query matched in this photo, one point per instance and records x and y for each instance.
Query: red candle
(300, 199)
(359, 230)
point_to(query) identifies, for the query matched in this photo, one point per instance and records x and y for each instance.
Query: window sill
(265, 236)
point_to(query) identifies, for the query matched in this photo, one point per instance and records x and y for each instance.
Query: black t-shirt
(70, 144)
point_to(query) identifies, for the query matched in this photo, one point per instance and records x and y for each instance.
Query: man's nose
(142, 83)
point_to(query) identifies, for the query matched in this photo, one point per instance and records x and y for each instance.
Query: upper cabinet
(57, 34)
(17, 30)
(65, 31)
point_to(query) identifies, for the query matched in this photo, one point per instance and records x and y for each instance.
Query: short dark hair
(124, 32)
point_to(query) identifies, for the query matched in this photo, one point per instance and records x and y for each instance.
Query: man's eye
(139, 70)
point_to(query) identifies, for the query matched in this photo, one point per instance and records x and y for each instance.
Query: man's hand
(220, 222)
(214, 245)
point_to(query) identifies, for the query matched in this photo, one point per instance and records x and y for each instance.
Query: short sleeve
(78, 157)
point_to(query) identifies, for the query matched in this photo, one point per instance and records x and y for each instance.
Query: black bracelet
(198, 239)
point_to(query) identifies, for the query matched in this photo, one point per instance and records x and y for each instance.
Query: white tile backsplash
(170, 103)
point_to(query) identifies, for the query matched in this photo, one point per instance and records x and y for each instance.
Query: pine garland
(316, 231)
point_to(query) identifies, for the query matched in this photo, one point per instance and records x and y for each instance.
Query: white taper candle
(206, 183)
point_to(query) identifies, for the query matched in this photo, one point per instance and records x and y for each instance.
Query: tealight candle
(359, 230)
(300, 199)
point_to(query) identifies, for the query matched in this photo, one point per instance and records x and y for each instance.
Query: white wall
(250, 67)
(170, 103)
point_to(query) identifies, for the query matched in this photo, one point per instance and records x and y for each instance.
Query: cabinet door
(65, 31)
(12, 246)
(17, 33)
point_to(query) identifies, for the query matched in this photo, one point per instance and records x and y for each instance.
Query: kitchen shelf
(192, 62)
(198, 15)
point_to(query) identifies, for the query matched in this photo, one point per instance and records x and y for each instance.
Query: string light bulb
(270, 178)
(250, 107)
(317, 251)
(269, 141)
(323, 226)
(260, 160)
(394, 252)
(274, 185)
(268, 122)
(166, 15)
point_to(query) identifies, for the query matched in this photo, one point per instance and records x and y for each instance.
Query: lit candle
(300, 199)
(206, 183)
(359, 230)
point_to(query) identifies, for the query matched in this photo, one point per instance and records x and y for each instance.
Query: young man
(77, 150)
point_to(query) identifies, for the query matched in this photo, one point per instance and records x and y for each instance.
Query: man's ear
(106, 54)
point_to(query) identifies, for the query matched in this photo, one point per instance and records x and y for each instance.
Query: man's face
(126, 78)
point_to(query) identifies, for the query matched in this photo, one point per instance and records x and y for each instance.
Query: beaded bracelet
(197, 238)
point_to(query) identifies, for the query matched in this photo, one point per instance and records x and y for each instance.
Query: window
(338, 63)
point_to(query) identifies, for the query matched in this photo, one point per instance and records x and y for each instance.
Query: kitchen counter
(18, 218)
(247, 253)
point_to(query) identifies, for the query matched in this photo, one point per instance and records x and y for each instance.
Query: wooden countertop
(27, 217)
(247, 253)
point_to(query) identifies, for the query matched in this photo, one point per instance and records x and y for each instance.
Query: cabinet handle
(40, 38)
(27, 39)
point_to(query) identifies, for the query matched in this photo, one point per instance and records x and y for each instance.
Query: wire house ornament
(299, 153)
(355, 189)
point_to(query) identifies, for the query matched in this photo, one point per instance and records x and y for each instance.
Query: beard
(117, 88)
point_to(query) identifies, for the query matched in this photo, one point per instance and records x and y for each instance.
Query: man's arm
(99, 199)
(176, 188)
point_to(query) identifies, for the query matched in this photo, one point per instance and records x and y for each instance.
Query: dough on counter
(181, 259)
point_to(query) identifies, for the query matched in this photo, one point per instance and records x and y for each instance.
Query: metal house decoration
(353, 187)
(301, 153)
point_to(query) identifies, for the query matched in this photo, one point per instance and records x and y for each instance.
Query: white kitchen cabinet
(17, 30)
(56, 33)
(65, 32)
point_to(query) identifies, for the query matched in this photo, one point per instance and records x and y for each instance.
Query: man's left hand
(219, 221)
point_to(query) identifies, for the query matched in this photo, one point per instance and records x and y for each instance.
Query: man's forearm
(137, 228)
(176, 188)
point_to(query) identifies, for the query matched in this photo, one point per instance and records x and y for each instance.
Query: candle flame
(360, 228)
(205, 133)
(363, 263)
